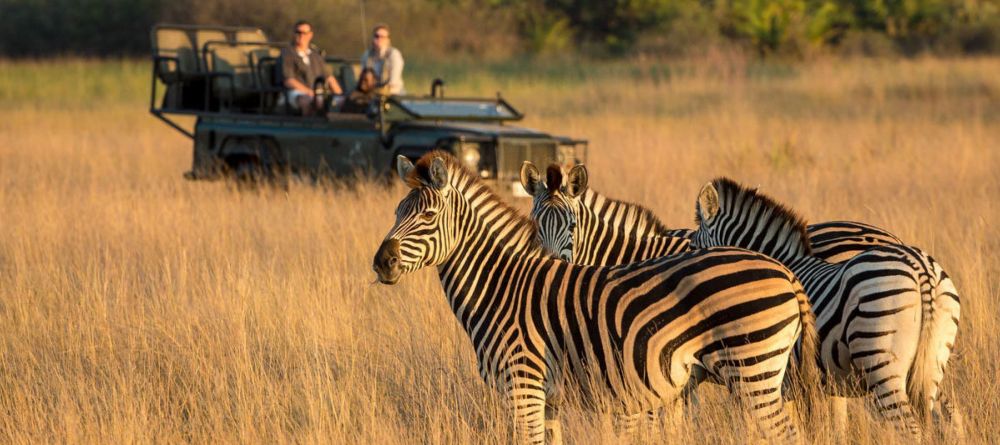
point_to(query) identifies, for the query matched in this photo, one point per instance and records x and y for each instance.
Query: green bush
(498, 29)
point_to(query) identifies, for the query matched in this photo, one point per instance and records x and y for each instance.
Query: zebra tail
(935, 340)
(807, 370)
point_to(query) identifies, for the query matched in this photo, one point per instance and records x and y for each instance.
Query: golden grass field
(138, 307)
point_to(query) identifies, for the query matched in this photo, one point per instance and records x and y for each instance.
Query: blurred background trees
(496, 29)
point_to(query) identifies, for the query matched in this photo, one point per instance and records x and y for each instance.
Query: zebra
(645, 332)
(887, 317)
(581, 225)
(586, 227)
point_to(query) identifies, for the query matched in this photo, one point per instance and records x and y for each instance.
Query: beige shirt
(388, 68)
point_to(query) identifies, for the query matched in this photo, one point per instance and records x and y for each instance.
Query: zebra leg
(838, 414)
(883, 357)
(887, 383)
(555, 431)
(626, 424)
(759, 389)
(689, 395)
(552, 425)
(768, 410)
(528, 400)
(949, 420)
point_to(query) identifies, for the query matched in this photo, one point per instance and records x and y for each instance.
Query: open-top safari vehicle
(229, 79)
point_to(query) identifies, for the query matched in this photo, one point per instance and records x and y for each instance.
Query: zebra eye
(428, 214)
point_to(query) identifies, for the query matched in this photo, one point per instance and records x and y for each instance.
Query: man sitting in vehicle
(301, 66)
(385, 61)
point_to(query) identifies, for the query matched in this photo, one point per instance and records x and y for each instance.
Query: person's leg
(306, 105)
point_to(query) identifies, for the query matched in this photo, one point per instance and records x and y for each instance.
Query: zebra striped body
(887, 317)
(839, 241)
(644, 331)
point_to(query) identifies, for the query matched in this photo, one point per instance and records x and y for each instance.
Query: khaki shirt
(305, 66)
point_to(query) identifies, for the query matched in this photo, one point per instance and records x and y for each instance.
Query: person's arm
(331, 80)
(334, 86)
(395, 72)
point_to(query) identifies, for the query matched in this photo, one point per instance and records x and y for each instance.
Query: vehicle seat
(266, 62)
(175, 54)
(250, 36)
(201, 38)
(176, 64)
(233, 78)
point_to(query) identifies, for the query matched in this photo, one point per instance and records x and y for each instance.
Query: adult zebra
(645, 331)
(584, 226)
(887, 317)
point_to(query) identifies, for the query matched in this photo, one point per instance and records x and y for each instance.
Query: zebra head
(425, 231)
(706, 210)
(730, 214)
(555, 206)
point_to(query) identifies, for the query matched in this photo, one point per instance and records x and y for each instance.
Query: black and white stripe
(584, 227)
(887, 317)
(645, 331)
(581, 225)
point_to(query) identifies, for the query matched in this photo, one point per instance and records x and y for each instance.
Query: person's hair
(361, 79)
(302, 22)
(381, 26)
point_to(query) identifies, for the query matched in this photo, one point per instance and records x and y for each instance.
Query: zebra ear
(403, 167)
(576, 181)
(438, 173)
(531, 179)
(708, 202)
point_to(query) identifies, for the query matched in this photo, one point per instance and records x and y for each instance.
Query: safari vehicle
(228, 78)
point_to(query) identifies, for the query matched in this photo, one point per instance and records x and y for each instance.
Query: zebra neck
(777, 241)
(631, 218)
(612, 233)
(494, 242)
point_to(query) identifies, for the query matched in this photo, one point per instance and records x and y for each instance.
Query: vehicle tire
(245, 172)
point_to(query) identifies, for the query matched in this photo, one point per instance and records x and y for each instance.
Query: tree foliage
(503, 28)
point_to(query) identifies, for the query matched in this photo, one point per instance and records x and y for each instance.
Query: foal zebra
(887, 317)
(583, 226)
(645, 332)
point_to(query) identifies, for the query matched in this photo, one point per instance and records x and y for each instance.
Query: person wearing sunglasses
(302, 66)
(385, 61)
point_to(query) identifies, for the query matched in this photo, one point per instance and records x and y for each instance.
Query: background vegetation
(500, 29)
(136, 307)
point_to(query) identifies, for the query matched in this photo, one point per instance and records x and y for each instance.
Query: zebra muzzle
(386, 262)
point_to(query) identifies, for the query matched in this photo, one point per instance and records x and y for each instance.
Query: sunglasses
(380, 36)
(302, 33)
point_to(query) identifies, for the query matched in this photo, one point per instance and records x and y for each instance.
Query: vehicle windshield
(445, 108)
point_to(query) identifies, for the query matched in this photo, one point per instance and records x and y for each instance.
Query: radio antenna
(364, 28)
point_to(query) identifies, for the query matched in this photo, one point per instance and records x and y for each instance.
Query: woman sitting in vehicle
(360, 100)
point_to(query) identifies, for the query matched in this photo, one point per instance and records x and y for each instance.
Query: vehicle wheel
(245, 171)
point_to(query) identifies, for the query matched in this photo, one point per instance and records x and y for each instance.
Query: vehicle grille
(513, 152)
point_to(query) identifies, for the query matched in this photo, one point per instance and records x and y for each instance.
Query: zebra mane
(553, 177)
(471, 186)
(733, 195)
(635, 211)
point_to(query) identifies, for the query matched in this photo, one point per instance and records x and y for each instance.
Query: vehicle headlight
(470, 156)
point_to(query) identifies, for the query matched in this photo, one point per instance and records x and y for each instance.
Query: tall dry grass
(138, 307)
